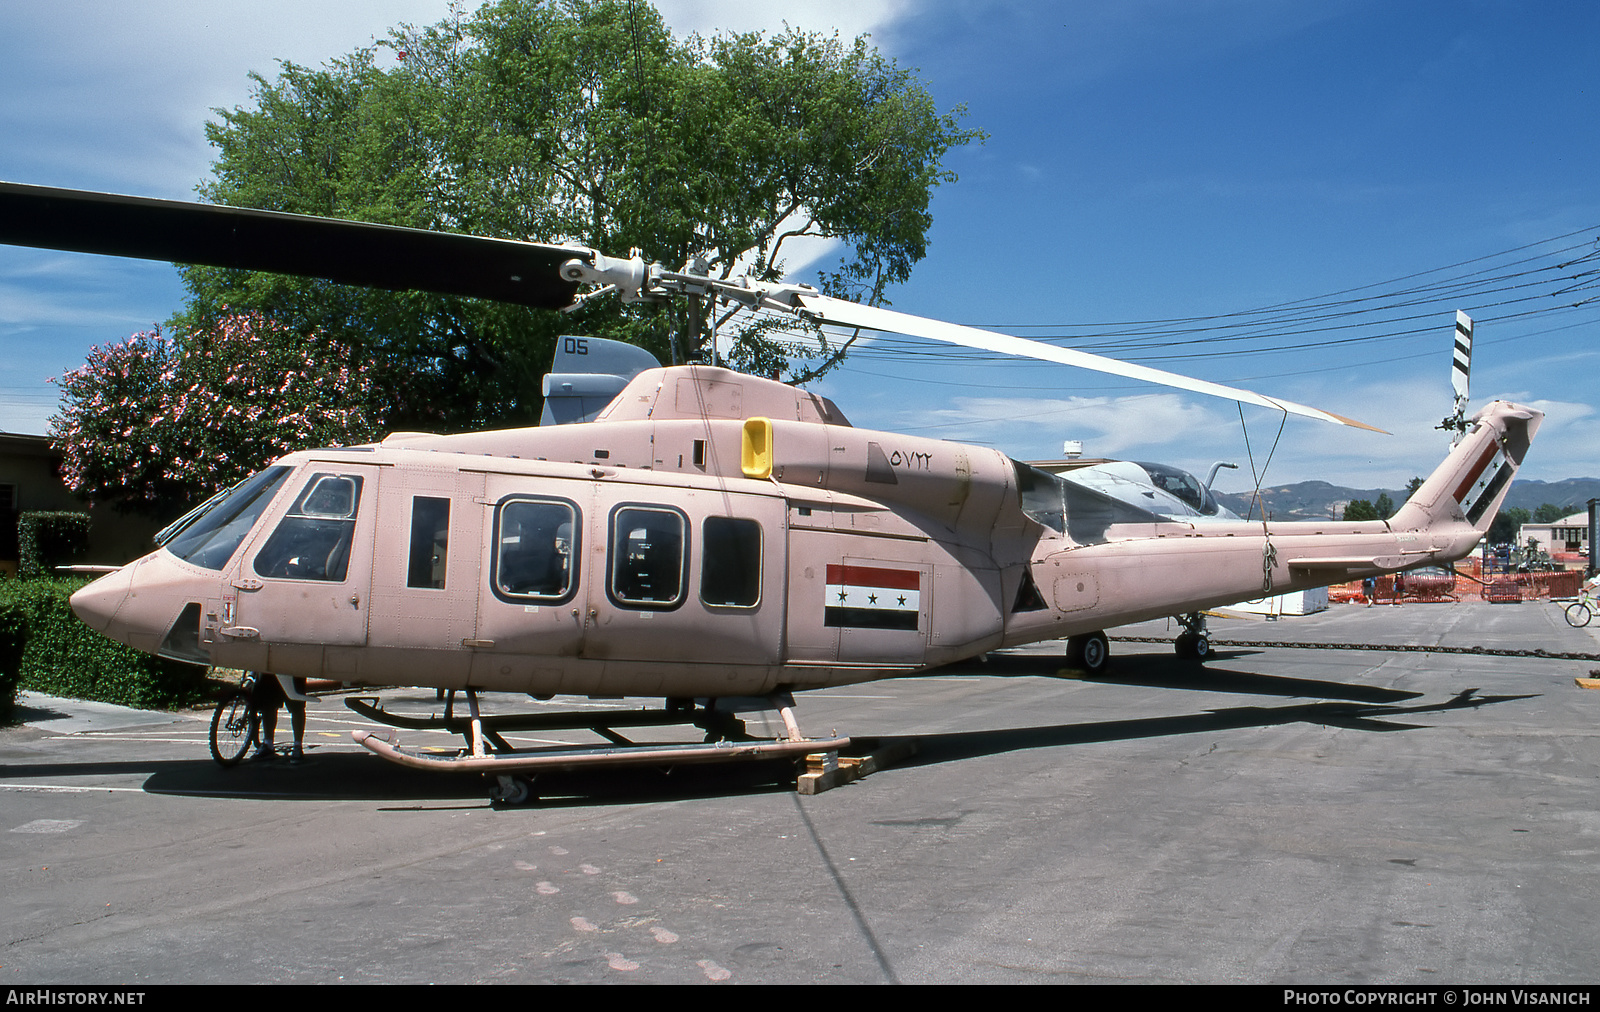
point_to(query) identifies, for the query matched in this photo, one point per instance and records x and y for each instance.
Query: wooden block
(826, 770)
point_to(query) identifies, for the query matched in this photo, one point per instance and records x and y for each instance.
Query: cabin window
(649, 552)
(430, 542)
(535, 543)
(210, 535)
(312, 542)
(730, 563)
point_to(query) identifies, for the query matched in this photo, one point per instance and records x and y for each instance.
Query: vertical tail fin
(586, 374)
(1473, 481)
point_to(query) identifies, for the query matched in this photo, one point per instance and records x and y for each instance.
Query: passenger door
(424, 607)
(530, 604)
(685, 575)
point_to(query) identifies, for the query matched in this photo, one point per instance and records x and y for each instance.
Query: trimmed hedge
(61, 656)
(46, 540)
(12, 636)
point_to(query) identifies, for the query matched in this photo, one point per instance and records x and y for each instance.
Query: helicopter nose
(139, 603)
(97, 603)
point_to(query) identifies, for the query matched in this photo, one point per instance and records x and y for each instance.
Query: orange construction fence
(1426, 586)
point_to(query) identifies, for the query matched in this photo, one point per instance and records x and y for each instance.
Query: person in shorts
(272, 691)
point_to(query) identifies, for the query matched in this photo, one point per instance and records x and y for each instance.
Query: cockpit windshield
(209, 536)
(1182, 484)
(1179, 483)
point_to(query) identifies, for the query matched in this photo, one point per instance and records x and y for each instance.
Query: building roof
(1575, 520)
(17, 444)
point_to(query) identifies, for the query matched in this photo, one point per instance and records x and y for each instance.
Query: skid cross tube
(478, 729)
(592, 720)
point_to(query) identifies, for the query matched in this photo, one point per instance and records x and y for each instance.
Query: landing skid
(488, 752)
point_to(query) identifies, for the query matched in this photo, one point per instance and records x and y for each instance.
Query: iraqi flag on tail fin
(1487, 476)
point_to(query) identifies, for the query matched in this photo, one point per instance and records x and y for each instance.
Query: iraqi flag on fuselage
(870, 597)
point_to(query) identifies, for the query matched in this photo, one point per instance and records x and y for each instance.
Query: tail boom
(1150, 571)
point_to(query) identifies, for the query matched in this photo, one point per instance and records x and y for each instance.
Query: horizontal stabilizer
(1361, 562)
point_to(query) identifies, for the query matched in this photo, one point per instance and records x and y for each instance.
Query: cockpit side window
(210, 537)
(536, 541)
(312, 542)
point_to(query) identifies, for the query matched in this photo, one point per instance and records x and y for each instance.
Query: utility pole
(1594, 535)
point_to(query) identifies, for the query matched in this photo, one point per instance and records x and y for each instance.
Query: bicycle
(1580, 611)
(236, 724)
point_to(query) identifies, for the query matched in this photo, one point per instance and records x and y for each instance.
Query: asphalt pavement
(1279, 815)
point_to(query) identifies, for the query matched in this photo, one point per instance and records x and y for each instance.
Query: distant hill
(1315, 500)
(1574, 492)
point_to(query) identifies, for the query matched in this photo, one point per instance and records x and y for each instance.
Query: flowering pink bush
(155, 422)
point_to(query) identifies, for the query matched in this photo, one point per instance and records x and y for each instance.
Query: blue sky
(1147, 160)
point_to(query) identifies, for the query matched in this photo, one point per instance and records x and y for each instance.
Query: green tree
(1361, 509)
(151, 423)
(1507, 524)
(1549, 513)
(1384, 506)
(581, 121)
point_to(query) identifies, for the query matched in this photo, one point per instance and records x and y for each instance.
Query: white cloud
(1035, 427)
(848, 17)
(1567, 444)
(116, 95)
(23, 308)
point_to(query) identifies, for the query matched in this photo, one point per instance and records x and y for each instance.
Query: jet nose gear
(1194, 643)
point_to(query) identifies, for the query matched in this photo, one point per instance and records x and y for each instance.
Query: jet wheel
(1193, 647)
(513, 790)
(1090, 652)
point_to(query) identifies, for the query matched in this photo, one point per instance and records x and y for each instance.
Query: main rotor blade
(851, 314)
(348, 252)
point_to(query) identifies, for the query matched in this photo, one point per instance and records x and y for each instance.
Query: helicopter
(690, 533)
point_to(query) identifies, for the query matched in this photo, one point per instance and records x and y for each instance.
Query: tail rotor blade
(1461, 364)
(1460, 376)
